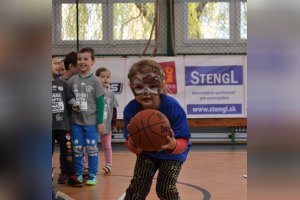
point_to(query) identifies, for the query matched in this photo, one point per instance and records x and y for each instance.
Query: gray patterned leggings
(144, 172)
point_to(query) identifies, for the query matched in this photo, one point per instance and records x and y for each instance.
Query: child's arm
(100, 112)
(114, 119)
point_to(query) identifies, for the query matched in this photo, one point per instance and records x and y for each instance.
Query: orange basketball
(149, 129)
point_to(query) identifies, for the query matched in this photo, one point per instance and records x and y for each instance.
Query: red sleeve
(181, 145)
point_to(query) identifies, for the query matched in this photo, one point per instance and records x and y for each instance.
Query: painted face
(146, 84)
(146, 89)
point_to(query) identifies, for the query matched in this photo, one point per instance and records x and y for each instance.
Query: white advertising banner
(215, 87)
(205, 86)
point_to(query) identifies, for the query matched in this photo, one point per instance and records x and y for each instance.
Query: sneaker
(62, 196)
(86, 174)
(107, 169)
(62, 178)
(92, 180)
(76, 181)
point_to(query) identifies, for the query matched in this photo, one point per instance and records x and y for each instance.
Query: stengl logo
(116, 87)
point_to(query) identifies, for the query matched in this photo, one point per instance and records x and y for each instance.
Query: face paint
(153, 83)
(145, 90)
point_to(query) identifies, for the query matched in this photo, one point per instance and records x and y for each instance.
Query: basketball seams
(149, 141)
(158, 123)
(137, 127)
(153, 132)
(135, 134)
(149, 129)
(159, 134)
(144, 129)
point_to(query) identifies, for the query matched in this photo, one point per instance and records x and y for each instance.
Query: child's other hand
(132, 147)
(100, 128)
(171, 142)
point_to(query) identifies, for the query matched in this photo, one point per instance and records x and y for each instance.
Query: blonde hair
(147, 66)
(144, 67)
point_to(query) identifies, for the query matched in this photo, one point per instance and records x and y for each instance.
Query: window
(123, 27)
(210, 26)
(111, 27)
(243, 20)
(133, 25)
(208, 20)
(90, 22)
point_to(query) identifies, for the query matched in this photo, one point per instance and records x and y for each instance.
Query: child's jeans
(63, 138)
(85, 136)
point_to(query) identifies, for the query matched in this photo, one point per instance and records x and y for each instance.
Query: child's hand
(132, 147)
(100, 128)
(171, 142)
(76, 107)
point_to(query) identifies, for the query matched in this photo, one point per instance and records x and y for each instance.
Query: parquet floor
(211, 172)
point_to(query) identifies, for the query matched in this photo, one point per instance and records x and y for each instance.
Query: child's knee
(106, 148)
(92, 150)
(78, 150)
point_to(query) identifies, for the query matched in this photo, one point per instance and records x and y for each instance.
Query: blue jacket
(177, 118)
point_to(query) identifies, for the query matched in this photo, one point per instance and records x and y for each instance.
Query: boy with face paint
(146, 83)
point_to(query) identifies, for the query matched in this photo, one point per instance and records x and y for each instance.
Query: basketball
(149, 129)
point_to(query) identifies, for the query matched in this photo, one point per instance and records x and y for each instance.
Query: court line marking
(122, 196)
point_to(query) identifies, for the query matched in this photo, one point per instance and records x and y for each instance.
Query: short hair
(88, 50)
(146, 66)
(70, 58)
(101, 69)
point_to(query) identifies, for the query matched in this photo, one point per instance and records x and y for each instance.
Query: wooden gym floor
(211, 172)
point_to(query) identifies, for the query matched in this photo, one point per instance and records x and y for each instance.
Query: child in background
(110, 117)
(87, 123)
(71, 67)
(146, 83)
(68, 68)
(62, 69)
(61, 123)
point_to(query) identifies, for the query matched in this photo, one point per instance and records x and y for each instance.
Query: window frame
(58, 24)
(238, 10)
(196, 41)
(185, 45)
(111, 23)
(234, 33)
(107, 23)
